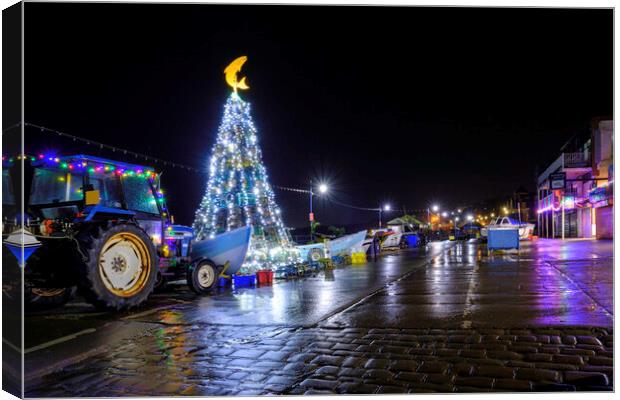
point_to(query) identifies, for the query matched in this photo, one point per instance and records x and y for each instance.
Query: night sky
(399, 105)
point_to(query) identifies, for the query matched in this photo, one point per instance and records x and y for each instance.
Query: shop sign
(558, 180)
(598, 195)
(569, 202)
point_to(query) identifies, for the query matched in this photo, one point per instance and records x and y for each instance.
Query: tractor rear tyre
(202, 276)
(122, 266)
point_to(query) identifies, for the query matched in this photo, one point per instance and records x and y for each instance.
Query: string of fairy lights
(145, 157)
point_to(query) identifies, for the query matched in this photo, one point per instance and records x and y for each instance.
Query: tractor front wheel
(121, 269)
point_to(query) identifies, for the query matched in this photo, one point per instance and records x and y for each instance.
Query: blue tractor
(93, 225)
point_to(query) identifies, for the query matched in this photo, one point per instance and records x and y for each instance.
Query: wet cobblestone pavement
(458, 322)
(190, 360)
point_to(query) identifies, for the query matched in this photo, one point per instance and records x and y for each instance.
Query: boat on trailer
(526, 230)
(337, 247)
(230, 247)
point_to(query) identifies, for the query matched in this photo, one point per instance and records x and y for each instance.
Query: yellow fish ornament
(231, 74)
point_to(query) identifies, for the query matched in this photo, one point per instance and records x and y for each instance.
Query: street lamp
(444, 214)
(470, 217)
(435, 208)
(322, 189)
(459, 210)
(386, 207)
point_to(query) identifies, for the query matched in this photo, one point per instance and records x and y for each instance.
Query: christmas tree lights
(239, 194)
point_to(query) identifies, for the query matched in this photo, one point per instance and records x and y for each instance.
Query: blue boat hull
(230, 247)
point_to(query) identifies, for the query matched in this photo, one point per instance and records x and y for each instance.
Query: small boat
(391, 240)
(346, 244)
(229, 247)
(337, 247)
(526, 230)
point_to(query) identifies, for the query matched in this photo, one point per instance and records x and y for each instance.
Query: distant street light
(435, 208)
(470, 217)
(459, 210)
(322, 189)
(444, 214)
(386, 207)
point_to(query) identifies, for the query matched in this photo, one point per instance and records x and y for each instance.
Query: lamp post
(386, 207)
(435, 208)
(322, 189)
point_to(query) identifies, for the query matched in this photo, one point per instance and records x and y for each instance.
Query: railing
(576, 160)
(566, 160)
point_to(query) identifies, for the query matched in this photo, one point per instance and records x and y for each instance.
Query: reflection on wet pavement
(543, 284)
(300, 301)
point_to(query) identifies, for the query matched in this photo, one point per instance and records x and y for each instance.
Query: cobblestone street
(457, 322)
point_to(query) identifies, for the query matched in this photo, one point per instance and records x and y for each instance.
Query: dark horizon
(406, 105)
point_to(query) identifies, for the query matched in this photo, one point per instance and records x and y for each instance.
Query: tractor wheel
(314, 255)
(122, 266)
(37, 299)
(201, 277)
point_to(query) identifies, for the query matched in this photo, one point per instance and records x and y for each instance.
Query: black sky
(406, 105)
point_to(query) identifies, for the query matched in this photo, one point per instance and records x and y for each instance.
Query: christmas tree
(238, 190)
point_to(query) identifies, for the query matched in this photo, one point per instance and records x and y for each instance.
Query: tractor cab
(97, 224)
(80, 188)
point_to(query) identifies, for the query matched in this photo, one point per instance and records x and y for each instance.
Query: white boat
(391, 240)
(338, 247)
(526, 230)
(343, 246)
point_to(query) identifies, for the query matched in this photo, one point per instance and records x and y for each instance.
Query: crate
(244, 280)
(502, 239)
(264, 276)
(358, 258)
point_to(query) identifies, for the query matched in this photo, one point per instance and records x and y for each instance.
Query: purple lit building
(575, 192)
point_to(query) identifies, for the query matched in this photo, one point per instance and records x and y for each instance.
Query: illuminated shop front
(575, 193)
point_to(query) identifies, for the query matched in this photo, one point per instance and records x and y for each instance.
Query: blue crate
(503, 239)
(338, 260)
(292, 270)
(244, 280)
(412, 240)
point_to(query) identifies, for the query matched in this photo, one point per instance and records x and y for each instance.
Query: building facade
(575, 192)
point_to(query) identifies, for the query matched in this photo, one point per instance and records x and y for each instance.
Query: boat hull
(230, 247)
(391, 241)
(343, 246)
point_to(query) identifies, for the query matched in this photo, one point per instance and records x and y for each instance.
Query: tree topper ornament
(231, 74)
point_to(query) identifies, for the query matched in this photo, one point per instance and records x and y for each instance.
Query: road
(448, 319)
